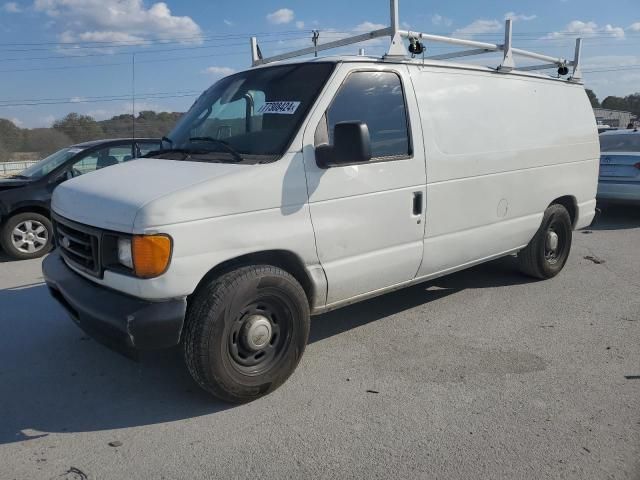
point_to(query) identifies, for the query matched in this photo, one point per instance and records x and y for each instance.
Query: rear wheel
(546, 254)
(26, 235)
(246, 332)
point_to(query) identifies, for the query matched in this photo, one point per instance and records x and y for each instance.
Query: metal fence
(11, 168)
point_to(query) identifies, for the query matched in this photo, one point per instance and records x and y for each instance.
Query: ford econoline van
(294, 188)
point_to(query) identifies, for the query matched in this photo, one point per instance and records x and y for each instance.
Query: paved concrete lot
(482, 374)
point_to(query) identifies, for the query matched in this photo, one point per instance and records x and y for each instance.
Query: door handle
(417, 203)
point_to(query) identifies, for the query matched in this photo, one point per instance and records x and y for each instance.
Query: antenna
(133, 95)
(397, 50)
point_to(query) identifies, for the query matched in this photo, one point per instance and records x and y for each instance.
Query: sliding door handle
(417, 203)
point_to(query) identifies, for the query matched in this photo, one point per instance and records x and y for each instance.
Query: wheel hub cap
(552, 241)
(257, 332)
(29, 236)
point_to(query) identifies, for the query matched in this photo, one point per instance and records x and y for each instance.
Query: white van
(294, 188)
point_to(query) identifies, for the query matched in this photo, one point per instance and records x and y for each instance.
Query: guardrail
(11, 168)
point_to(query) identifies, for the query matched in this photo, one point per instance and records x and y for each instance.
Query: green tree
(10, 136)
(595, 103)
(79, 128)
(44, 140)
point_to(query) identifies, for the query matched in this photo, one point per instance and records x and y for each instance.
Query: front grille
(79, 245)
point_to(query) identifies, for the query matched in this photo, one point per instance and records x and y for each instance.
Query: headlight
(147, 255)
(124, 252)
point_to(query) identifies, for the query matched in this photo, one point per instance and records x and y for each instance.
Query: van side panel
(500, 148)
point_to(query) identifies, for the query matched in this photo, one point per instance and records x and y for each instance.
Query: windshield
(49, 164)
(627, 142)
(256, 112)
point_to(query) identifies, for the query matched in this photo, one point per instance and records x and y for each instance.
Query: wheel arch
(284, 259)
(571, 204)
(28, 208)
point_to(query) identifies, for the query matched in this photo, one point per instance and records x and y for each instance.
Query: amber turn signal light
(151, 255)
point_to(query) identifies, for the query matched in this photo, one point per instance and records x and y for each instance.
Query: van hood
(113, 198)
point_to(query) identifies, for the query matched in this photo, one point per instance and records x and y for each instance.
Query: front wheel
(546, 254)
(246, 332)
(26, 235)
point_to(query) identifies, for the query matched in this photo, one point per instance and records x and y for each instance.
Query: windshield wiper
(234, 153)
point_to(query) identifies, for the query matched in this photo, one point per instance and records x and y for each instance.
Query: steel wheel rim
(245, 356)
(553, 254)
(29, 236)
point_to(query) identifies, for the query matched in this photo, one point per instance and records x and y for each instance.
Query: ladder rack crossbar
(383, 32)
(463, 53)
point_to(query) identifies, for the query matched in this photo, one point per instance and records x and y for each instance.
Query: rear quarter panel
(500, 148)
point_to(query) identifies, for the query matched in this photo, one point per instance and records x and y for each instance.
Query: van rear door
(368, 217)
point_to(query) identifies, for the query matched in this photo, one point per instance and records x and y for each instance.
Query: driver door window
(105, 157)
(377, 99)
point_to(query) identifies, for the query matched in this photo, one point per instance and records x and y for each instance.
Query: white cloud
(11, 7)
(109, 36)
(17, 122)
(587, 29)
(634, 27)
(438, 20)
(368, 26)
(299, 24)
(219, 71)
(478, 27)
(109, 18)
(228, 23)
(519, 17)
(284, 15)
(77, 99)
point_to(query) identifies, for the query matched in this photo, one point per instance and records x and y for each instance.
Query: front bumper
(122, 322)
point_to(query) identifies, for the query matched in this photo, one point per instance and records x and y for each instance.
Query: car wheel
(26, 235)
(246, 332)
(546, 254)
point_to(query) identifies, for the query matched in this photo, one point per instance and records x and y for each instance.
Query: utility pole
(133, 95)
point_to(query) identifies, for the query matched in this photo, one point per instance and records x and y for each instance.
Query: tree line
(76, 128)
(630, 103)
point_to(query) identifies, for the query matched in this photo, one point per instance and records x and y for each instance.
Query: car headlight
(124, 252)
(147, 255)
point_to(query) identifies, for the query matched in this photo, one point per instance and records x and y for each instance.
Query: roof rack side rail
(397, 48)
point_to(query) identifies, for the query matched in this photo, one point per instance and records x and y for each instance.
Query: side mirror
(351, 144)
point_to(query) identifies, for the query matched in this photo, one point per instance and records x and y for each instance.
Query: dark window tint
(626, 142)
(146, 147)
(377, 99)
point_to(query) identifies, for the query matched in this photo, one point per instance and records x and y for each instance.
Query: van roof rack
(397, 50)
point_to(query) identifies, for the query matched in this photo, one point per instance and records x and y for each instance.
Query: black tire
(538, 259)
(32, 247)
(218, 328)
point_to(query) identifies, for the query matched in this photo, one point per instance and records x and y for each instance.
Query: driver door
(368, 218)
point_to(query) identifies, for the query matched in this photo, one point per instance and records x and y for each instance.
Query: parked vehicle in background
(606, 128)
(25, 225)
(619, 177)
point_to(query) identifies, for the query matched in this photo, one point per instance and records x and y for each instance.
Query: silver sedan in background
(619, 180)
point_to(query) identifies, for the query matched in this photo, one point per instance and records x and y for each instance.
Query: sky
(61, 56)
